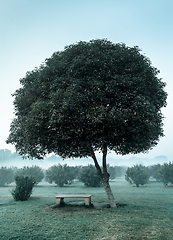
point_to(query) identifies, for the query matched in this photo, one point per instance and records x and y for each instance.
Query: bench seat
(87, 198)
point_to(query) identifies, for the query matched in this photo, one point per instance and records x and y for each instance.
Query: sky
(32, 30)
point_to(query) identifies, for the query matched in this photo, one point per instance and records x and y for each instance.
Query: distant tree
(120, 170)
(76, 171)
(23, 189)
(89, 176)
(155, 172)
(6, 157)
(60, 175)
(166, 173)
(93, 96)
(35, 172)
(138, 175)
(54, 158)
(6, 176)
(112, 171)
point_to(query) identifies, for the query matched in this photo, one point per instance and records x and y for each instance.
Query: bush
(138, 174)
(6, 176)
(60, 175)
(90, 177)
(166, 173)
(24, 187)
(35, 172)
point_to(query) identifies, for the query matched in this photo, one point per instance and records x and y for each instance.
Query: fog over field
(8, 159)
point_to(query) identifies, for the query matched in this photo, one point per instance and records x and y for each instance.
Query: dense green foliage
(35, 172)
(6, 176)
(23, 189)
(60, 175)
(89, 176)
(138, 175)
(91, 95)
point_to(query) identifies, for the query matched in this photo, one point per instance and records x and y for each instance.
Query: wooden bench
(87, 198)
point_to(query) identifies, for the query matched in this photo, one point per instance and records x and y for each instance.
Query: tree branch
(104, 156)
(96, 163)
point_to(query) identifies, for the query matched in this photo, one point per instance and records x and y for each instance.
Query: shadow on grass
(72, 205)
(81, 206)
(7, 203)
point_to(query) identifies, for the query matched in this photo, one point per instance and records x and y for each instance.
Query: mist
(9, 159)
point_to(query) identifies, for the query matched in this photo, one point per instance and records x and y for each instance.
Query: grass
(143, 213)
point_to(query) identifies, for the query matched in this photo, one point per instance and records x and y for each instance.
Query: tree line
(59, 174)
(63, 175)
(139, 174)
(27, 177)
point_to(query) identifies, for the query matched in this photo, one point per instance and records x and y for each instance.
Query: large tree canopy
(92, 96)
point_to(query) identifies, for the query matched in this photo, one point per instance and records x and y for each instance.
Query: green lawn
(148, 213)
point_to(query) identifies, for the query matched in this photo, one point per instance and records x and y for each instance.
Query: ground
(143, 213)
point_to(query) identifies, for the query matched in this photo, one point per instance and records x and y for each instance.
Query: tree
(155, 171)
(138, 174)
(92, 96)
(60, 174)
(23, 189)
(116, 171)
(76, 170)
(89, 176)
(166, 173)
(6, 176)
(35, 172)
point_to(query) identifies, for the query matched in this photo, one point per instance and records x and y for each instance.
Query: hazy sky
(31, 30)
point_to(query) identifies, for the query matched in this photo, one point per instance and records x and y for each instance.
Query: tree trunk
(104, 177)
(109, 193)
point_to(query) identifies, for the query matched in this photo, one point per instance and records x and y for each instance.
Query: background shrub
(89, 176)
(60, 175)
(35, 172)
(24, 187)
(138, 174)
(6, 176)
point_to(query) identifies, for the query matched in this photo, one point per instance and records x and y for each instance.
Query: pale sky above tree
(32, 30)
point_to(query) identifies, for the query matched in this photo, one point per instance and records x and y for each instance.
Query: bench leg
(87, 201)
(59, 200)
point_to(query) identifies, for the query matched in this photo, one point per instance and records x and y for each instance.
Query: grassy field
(143, 213)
